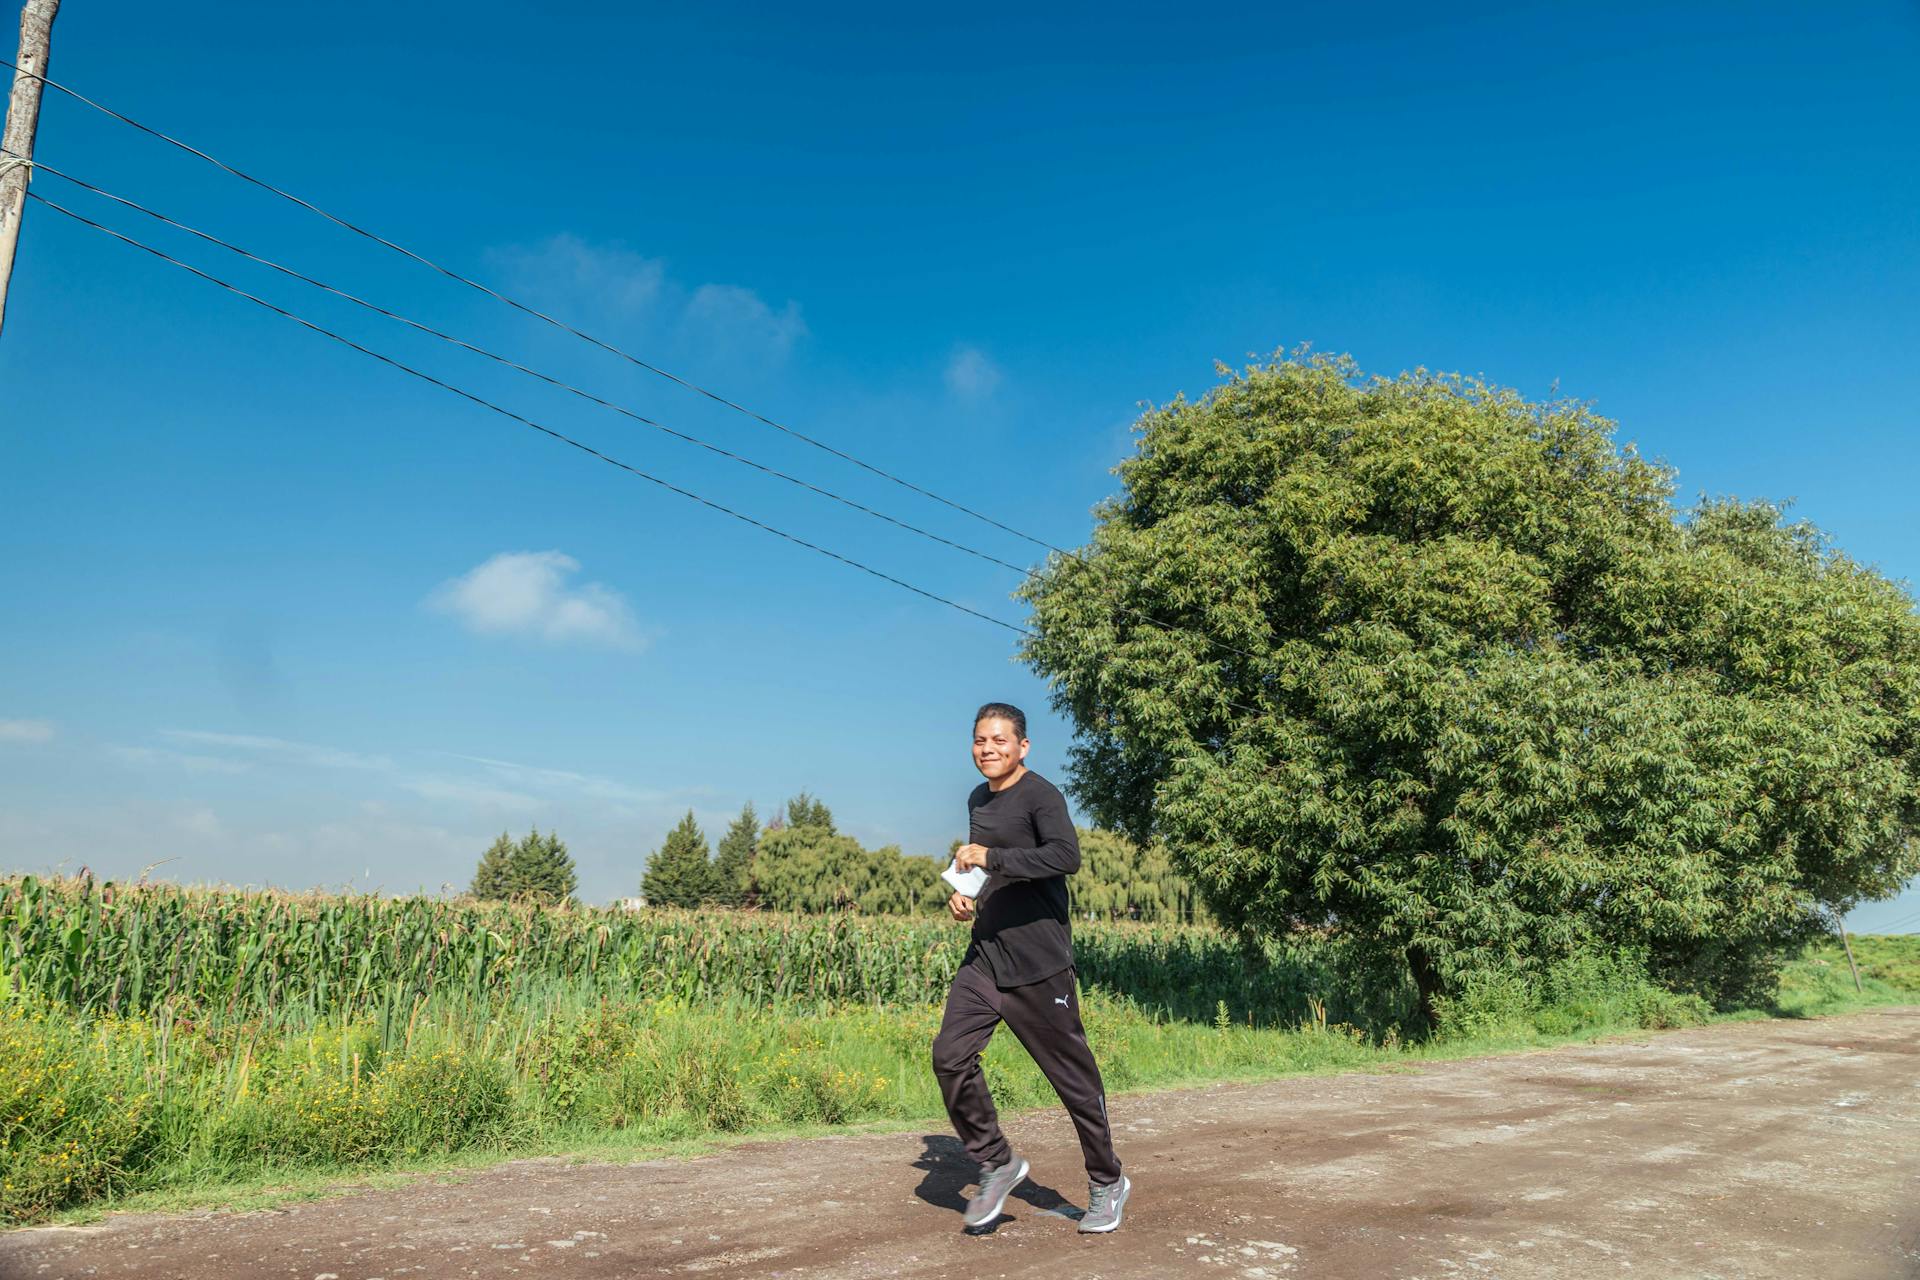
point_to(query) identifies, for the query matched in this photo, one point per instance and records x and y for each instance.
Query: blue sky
(281, 615)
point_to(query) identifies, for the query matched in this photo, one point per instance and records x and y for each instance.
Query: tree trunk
(1426, 979)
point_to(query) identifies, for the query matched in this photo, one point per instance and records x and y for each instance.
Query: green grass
(1819, 983)
(100, 1111)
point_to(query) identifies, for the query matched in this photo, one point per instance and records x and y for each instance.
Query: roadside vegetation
(453, 1032)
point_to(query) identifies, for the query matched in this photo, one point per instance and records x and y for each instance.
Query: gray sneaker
(996, 1184)
(1104, 1205)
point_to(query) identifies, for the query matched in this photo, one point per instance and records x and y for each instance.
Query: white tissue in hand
(969, 882)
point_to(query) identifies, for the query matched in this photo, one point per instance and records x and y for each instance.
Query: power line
(1078, 560)
(714, 396)
(530, 372)
(1902, 922)
(525, 421)
(550, 432)
(569, 440)
(537, 314)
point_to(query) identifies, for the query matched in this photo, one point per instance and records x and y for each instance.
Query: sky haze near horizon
(279, 615)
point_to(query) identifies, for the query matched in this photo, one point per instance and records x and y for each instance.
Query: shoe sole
(1119, 1209)
(1001, 1202)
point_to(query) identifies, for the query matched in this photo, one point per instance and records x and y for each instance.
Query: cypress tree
(543, 869)
(805, 811)
(734, 859)
(493, 878)
(678, 873)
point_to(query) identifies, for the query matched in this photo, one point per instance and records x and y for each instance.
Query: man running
(1019, 968)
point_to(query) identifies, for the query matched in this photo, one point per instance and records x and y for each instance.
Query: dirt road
(1778, 1149)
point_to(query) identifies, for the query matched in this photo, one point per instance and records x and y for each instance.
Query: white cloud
(624, 796)
(971, 375)
(178, 759)
(525, 593)
(300, 752)
(26, 730)
(630, 298)
(469, 795)
(204, 823)
(585, 784)
(608, 279)
(740, 319)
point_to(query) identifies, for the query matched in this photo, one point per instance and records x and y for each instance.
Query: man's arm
(1058, 853)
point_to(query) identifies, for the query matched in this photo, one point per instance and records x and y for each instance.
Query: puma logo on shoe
(1060, 1000)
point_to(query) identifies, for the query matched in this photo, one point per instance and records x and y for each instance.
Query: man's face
(997, 750)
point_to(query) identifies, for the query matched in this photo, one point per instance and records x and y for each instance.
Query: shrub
(443, 1101)
(802, 1084)
(76, 1108)
(344, 1104)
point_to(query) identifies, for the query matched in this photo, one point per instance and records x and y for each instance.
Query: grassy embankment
(170, 1047)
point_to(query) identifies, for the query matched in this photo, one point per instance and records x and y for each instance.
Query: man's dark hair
(1003, 711)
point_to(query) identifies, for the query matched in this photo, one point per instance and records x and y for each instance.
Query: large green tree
(1448, 669)
(679, 873)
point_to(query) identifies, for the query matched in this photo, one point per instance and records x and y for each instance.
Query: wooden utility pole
(23, 121)
(1850, 964)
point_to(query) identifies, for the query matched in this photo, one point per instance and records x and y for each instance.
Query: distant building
(638, 903)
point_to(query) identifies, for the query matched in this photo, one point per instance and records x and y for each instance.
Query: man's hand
(961, 906)
(968, 856)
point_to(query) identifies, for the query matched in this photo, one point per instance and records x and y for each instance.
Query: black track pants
(1045, 1015)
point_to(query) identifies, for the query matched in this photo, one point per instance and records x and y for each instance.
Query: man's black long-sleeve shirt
(1020, 927)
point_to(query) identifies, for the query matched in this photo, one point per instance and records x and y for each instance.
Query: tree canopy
(493, 878)
(535, 866)
(805, 811)
(1120, 880)
(733, 860)
(679, 873)
(812, 868)
(1450, 670)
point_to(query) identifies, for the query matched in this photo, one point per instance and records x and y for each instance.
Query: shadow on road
(949, 1170)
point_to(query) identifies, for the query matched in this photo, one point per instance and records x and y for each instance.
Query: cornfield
(245, 954)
